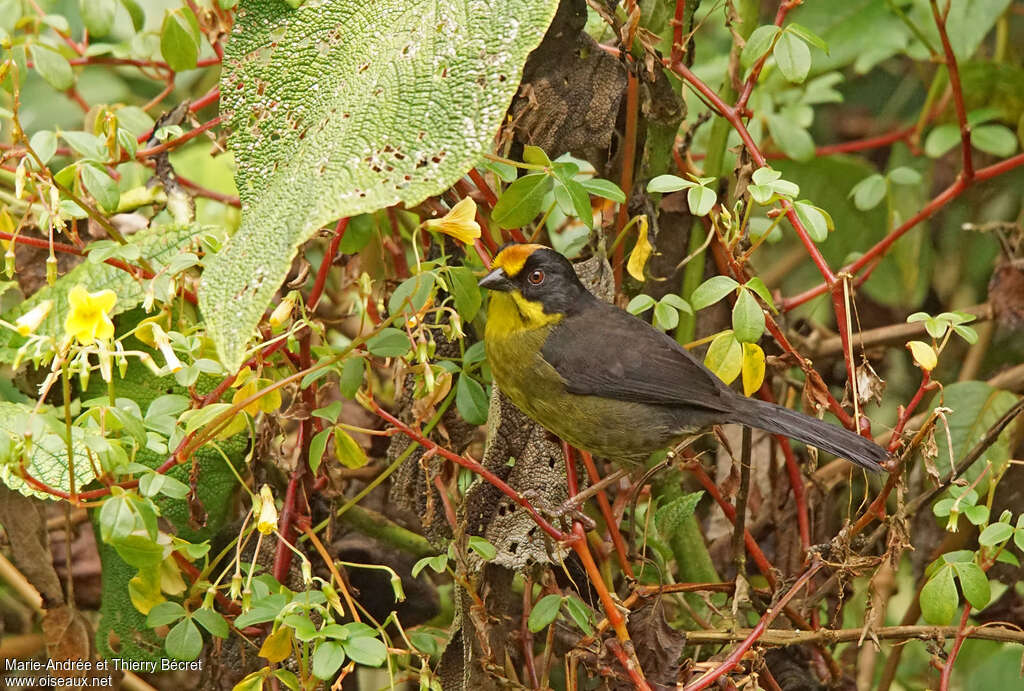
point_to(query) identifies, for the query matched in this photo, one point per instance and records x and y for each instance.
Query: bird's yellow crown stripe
(512, 258)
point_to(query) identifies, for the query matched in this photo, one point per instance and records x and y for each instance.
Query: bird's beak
(497, 280)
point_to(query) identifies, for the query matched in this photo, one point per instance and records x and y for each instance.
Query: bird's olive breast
(615, 429)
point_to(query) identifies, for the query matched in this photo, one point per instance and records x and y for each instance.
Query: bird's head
(540, 281)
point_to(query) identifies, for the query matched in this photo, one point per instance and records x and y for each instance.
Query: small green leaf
(316, 449)
(53, 67)
(466, 292)
(544, 612)
(677, 302)
(184, 641)
(725, 357)
(481, 546)
(640, 304)
(101, 186)
(813, 219)
(411, 295)
(757, 285)
(471, 400)
(997, 140)
(327, 659)
(137, 14)
(179, 39)
(711, 291)
(868, 192)
(352, 375)
(164, 614)
(606, 189)
(967, 333)
(941, 139)
(212, 621)
(977, 515)
(939, 598)
(974, 584)
(350, 454)
(668, 183)
(758, 44)
(44, 143)
(793, 57)
(139, 551)
(521, 201)
(98, 16)
(808, 35)
(580, 201)
(904, 176)
(747, 318)
(995, 534)
(793, 140)
(665, 317)
(535, 155)
(700, 200)
(580, 613)
(390, 342)
(366, 650)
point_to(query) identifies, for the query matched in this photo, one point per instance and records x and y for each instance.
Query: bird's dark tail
(822, 435)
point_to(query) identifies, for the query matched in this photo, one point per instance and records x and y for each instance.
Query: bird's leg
(683, 443)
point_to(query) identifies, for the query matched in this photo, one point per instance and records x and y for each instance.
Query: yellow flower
(30, 321)
(267, 521)
(459, 222)
(89, 318)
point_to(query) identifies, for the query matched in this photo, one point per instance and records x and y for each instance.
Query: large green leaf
(343, 107)
(47, 456)
(157, 244)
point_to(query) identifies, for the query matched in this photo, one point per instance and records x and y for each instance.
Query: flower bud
(30, 321)
(267, 521)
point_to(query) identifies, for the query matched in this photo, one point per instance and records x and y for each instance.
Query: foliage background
(254, 182)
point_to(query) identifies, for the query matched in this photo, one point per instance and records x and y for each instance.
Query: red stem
(958, 93)
(178, 141)
(762, 563)
(748, 87)
(609, 516)
(737, 654)
(325, 265)
(135, 271)
(473, 466)
(961, 635)
(879, 249)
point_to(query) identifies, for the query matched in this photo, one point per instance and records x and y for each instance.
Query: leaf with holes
(347, 107)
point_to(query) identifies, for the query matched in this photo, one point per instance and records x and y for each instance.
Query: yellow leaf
(348, 451)
(924, 355)
(753, 368)
(641, 251)
(144, 590)
(725, 357)
(171, 581)
(234, 427)
(278, 646)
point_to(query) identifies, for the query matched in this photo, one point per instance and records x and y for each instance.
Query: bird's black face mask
(539, 274)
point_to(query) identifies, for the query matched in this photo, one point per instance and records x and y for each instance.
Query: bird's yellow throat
(510, 313)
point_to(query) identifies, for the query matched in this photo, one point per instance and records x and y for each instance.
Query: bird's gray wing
(603, 351)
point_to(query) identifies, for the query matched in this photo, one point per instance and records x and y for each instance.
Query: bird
(608, 382)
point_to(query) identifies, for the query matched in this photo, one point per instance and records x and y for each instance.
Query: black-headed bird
(608, 382)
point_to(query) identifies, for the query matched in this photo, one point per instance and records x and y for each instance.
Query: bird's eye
(536, 277)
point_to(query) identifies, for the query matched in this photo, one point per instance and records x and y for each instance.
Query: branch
(756, 633)
(958, 93)
(834, 636)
